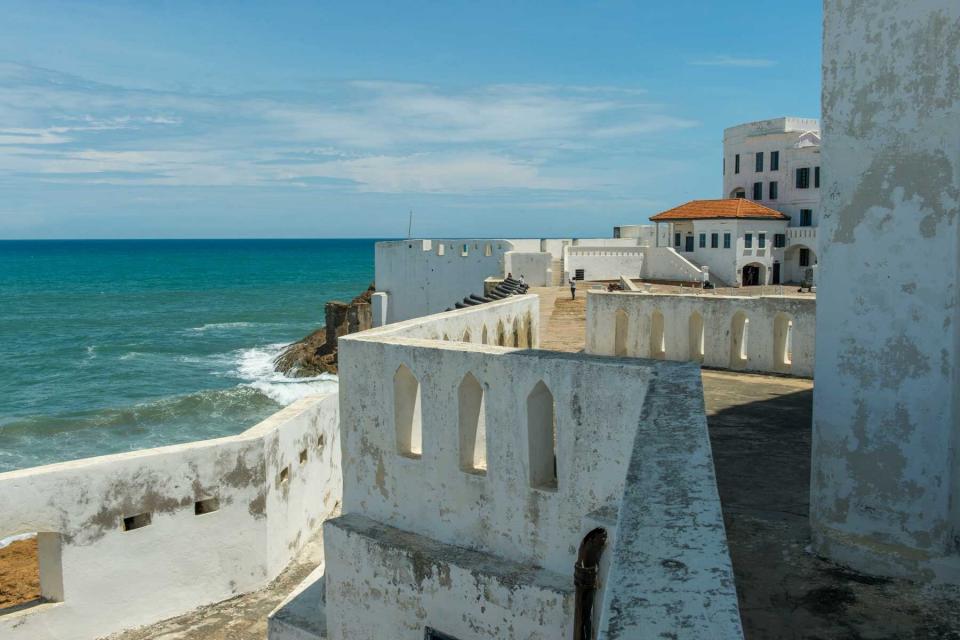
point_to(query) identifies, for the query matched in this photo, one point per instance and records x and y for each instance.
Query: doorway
(776, 273)
(689, 247)
(751, 275)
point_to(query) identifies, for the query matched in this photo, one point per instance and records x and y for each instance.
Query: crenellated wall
(128, 543)
(773, 334)
(472, 471)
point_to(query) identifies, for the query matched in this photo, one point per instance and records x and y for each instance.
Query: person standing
(573, 289)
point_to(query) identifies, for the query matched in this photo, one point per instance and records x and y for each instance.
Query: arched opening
(738, 192)
(407, 413)
(542, 437)
(446, 338)
(524, 341)
(473, 426)
(739, 332)
(782, 342)
(466, 336)
(696, 337)
(621, 324)
(484, 338)
(440, 249)
(529, 325)
(753, 274)
(516, 332)
(501, 335)
(658, 339)
(488, 250)
(36, 574)
(799, 259)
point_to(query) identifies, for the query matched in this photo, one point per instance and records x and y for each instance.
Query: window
(714, 240)
(748, 240)
(726, 241)
(806, 217)
(779, 240)
(759, 164)
(579, 274)
(473, 426)
(542, 438)
(676, 239)
(804, 257)
(803, 178)
(816, 177)
(761, 240)
(703, 241)
(736, 163)
(774, 161)
(773, 190)
(406, 412)
(757, 190)
(739, 193)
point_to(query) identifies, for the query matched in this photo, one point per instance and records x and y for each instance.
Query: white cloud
(733, 61)
(363, 136)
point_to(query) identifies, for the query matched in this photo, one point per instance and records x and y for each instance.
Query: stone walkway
(562, 321)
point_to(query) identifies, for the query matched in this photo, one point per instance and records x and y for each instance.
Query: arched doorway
(753, 274)
(738, 192)
(797, 259)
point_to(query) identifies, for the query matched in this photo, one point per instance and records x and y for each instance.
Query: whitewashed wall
(611, 262)
(419, 281)
(534, 267)
(718, 316)
(114, 579)
(426, 543)
(885, 483)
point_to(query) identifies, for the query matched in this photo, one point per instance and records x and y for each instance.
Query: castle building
(776, 163)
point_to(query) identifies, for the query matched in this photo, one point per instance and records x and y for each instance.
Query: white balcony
(802, 235)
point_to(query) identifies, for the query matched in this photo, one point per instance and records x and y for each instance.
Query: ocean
(110, 346)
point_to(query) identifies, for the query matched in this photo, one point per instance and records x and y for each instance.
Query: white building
(741, 242)
(777, 163)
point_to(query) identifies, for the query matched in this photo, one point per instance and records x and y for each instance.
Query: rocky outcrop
(317, 353)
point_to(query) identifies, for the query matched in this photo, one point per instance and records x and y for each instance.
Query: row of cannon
(508, 287)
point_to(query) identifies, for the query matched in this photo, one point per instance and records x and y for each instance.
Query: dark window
(740, 193)
(772, 191)
(761, 240)
(726, 241)
(748, 240)
(757, 190)
(736, 163)
(703, 241)
(759, 166)
(803, 178)
(676, 239)
(779, 240)
(804, 257)
(774, 161)
(579, 274)
(816, 177)
(806, 217)
(714, 240)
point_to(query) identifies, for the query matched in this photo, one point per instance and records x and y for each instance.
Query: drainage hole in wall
(208, 505)
(321, 441)
(303, 456)
(136, 522)
(284, 475)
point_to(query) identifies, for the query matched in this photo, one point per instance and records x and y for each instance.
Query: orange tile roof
(727, 208)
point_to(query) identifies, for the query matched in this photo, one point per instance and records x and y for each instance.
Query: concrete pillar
(378, 304)
(884, 486)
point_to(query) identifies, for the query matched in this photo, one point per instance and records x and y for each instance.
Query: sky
(335, 119)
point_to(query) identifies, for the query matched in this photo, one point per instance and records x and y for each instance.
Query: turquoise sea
(109, 346)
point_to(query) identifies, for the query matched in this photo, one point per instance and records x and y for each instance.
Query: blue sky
(288, 119)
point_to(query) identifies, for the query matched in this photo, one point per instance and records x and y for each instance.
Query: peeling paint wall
(115, 579)
(766, 314)
(884, 486)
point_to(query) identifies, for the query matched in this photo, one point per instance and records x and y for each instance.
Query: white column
(884, 486)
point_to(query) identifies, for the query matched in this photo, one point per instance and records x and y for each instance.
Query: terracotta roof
(728, 208)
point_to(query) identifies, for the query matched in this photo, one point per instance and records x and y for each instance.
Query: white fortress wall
(421, 277)
(773, 334)
(432, 537)
(609, 262)
(130, 539)
(885, 489)
(535, 267)
(664, 263)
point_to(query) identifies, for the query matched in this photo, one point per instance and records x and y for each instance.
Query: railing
(606, 251)
(802, 234)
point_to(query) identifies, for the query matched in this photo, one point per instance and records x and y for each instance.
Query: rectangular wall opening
(137, 522)
(207, 505)
(31, 572)
(303, 456)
